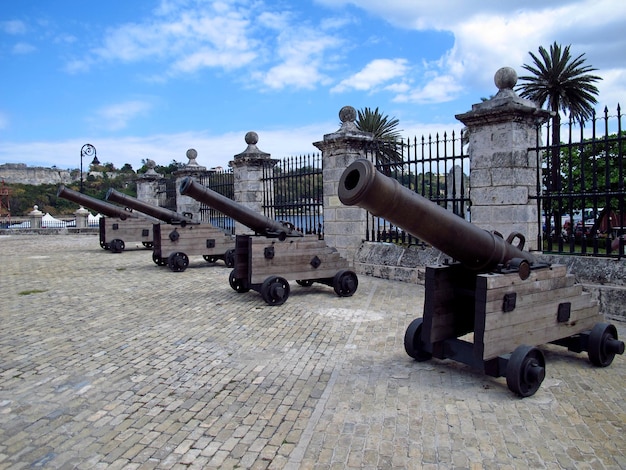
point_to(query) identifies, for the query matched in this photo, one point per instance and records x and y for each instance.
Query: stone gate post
(148, 185)
(344, 227)
(36, 217)
(503, 175)
(248, 178)
(186, 204)
(82, 217)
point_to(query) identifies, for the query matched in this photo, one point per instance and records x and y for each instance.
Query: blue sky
(152, 78)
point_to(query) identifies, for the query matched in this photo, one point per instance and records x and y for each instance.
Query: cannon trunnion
(118, 227)
(277, 253)
(495, 302)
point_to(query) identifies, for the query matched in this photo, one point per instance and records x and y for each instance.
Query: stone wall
(21, 173)
(604, 278)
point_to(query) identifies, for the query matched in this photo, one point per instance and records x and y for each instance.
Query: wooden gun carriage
(118, 226)
(179, 237)
(276, 253)
(493, 290)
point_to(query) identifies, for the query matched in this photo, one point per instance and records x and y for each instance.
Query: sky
(149, 79)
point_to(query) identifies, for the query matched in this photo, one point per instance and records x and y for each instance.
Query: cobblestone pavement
(108, 361)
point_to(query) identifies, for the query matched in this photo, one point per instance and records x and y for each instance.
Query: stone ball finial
(192, 154)
(252, 138)
(347, 114)
(505, 78)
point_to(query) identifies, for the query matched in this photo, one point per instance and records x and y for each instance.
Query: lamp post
(87, 150)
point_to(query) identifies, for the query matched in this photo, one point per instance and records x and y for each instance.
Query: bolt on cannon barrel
(477, 249)
(104, 208)
(157, 212)
(259, 223)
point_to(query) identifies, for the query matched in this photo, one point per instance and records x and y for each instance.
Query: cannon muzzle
(92, 203)
(477, 249)
(160, 213)
(259, 223)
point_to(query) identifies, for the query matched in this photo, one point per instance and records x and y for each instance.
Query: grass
(32, 291)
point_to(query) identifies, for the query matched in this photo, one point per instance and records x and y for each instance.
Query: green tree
(565, 84)
(386, 135)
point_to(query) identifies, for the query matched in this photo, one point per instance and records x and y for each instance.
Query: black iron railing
(293, 192)
(435, 168)
(581, 187)
(222, 182)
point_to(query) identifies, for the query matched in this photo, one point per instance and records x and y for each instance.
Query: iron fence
(435, 168)
(293, 192)
(580, 187)
(222, 182)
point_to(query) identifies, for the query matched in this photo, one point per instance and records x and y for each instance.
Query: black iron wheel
(237, 284)
(117, 245)
(177, 261)
(275, 290)
(525, 370)
(603, 344)
(103, 245)
(304, 283)
(413, 342)
(229, 258)
(345, 283)
(209, 258)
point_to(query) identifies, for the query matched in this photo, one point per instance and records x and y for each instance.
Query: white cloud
(301, 56)
(13, 27)
(491, 34)
(117, 116)
(373, 74)
(23, 48)
(4, 120)
(213, 150)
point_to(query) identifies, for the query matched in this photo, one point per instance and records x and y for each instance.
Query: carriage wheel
(603, 344)
(229, 258)
(275, 290)
(237, 284)
(177, 261)
(525, 371)
(413, 343)
(345, 283)
(117, 245)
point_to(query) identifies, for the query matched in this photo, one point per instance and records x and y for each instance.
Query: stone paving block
(114, 362)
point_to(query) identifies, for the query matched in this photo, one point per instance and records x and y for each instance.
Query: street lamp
(87, 150)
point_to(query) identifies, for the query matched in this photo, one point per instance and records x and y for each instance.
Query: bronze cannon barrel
(259, 223)
(160, 213)
(109, 210)
(362, 185)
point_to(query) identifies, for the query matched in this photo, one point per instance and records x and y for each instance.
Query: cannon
(118, 226)
(276, 252)
(180, 237)
(491, 291)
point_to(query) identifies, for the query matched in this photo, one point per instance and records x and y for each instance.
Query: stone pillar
(35, 217)
(186, 204)
(344, 227)
(148, 185)
(247, 176)
(503, 175)
(82, 216)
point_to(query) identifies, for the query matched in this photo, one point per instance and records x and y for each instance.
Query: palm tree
(386, 136)
(566, 85)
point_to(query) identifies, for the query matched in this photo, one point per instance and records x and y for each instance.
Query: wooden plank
(527, 302)
(496, 280)
(545, 314)
(536, 335)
